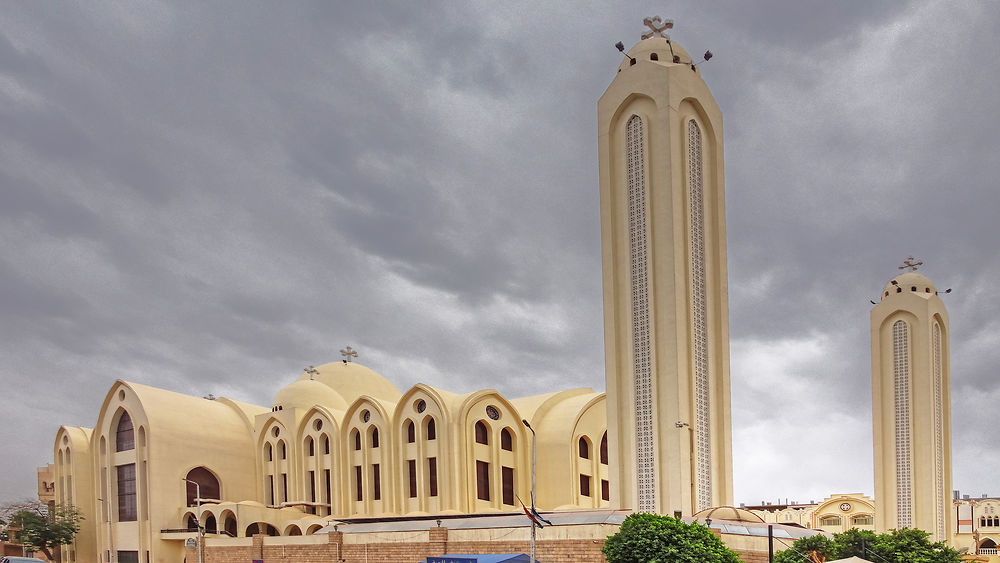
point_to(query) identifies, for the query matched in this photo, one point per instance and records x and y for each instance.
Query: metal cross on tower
(348, 353)
(653, 23)
(909, 263)
(312, 371)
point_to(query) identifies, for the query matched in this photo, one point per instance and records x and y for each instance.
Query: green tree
(649, 538)
(898, 546)
(913, 546)
(43, 530)
(802, 550)
(855, 543)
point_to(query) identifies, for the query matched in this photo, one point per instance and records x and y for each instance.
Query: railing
(988, 551)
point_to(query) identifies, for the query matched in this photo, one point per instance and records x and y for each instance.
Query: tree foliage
(649, 538)
(897, 546)
(39, 528)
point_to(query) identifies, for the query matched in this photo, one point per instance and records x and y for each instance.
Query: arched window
(584, 448)
(411, 432)
(829, 521)
(282, 454)
(268, 452)
(125, 435)
(482, 435)
(326, 444)
(207, 483)
(863, 520)
(310, 447)
(357, 440)
(211, 526)
(374, 437)
(431, 429)
(230, 525)
(506, 440)
(604, 449)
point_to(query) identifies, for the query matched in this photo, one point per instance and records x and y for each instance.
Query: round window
(121, 395)
(492, 412)
(275, 432)
(318, 425)
(366, 415)
(420, 405)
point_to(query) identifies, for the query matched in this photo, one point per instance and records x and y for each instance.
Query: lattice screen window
(641, 348)
(699, 319)
(939, 490)
(901, 384)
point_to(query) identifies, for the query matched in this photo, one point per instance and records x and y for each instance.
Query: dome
(729, 513)
(658, 50)
(910, 282)
(351, 380)
(305, 394)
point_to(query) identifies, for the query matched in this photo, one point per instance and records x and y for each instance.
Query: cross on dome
(909, 263)
(654, 24)
(348, 353)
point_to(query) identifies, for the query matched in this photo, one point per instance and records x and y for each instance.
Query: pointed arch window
(207, 483)
(268, 452)
(326, 444)
(506, 440)
(604, 449)
(125, 434)
(374, 437)
(482, 434)
(411, 432)
(282, 453)
(310, 447)
(431, 429)
(357, 440)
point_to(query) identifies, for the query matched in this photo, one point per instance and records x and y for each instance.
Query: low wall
(566, 544)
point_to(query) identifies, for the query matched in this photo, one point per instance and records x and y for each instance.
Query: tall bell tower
(666, 303)
(911, 407)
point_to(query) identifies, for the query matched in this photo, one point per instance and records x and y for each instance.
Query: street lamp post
(111, 546)
(525, 422)
(197, 517)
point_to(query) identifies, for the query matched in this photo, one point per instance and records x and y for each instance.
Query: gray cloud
(208, 198)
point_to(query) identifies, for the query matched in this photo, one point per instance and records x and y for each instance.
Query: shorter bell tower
(911, 406)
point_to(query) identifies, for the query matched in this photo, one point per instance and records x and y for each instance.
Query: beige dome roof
(907, 282)
(305, 394)
(659, 46)
(730, 513)
(351, 380)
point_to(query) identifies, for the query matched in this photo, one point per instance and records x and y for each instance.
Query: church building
(341, 443)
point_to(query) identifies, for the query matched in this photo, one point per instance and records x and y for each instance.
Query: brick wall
(547, 551)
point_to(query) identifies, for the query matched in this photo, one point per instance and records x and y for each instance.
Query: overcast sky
(208, 197)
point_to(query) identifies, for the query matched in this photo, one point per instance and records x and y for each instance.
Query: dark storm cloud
(209, 198)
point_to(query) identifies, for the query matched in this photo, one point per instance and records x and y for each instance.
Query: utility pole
(525, 422)
(197, 518)
(111, 546)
